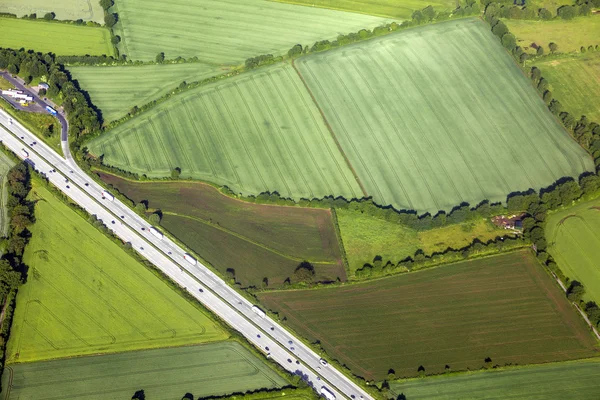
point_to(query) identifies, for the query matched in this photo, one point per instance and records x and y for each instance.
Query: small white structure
(107, 196)
(156, 232)
(327, 393)
(258, 311)
(189, 259)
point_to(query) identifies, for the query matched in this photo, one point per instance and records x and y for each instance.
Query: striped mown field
(57, 38)
(87, 10)
(504, 307)
(439, 115)
(256, 132)
(226, 31)
(575, 82)
(566, 380)
(115, 90)
(208, 370)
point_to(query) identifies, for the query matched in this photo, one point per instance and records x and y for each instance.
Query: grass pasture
(573, 236)
(575, 81)
(85, 295)
(5, 165)
(164, 374)
(270, 241)
(255, 132)
(427, 137)
(57, 38)
(569, 35)
(365, 237)
(87, 10)
(115, 90)
(386, 8)
(566, 380)
(504, 307)
(227, 31)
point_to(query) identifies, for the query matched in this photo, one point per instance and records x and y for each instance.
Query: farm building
(514, 222)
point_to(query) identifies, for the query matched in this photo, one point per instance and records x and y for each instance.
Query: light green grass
(4, 84)
(57, 38)
(402, 9)
(428, 135)
(5, 164)
(115, 90)
(575, 82)
(85, 295)
(87, 10)
(366, 237)
(164, 374)
(569, 35)
(567, 380)
(255, 132)
(573, 237)
(226, 31)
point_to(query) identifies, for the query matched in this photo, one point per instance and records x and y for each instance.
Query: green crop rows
(57, 38)
(255, 132)
(226, 31)
(568, 380)
(206, 370)
(115, 90)
(504, 307)
(87, 10)
(426, 135)
(573, 237)
(85, 295)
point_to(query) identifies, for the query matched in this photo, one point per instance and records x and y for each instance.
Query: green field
(87, 10)
(573, 236)
(365, 237)
(575, 81)
(163, 374)
(427, 137)
(567, 380)
(402, 9)
(115, 90)
(5, 165)
(85, 295)
(569, 35)
(226, 31)
(504, 307)
(255, 132)
(57, 38)
(270, 241)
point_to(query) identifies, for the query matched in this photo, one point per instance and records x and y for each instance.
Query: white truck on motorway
(24, 153)
(189, 259)
(327, 393)
(258, 311)
(156, 232)
(107, 196)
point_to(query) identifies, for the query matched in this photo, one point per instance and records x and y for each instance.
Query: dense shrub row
(517, 10)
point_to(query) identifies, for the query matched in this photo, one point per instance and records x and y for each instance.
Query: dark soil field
(505, 307)
(257, 241)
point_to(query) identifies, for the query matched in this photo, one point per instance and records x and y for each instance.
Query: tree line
(82, 118)
(520, 9)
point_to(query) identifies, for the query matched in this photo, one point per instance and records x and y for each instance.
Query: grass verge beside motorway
(5, 165)
(269, 241)
(116, 90)
(366, 237)
(570, 35)
(573, 236)
(53, 37)
(575, 81)
(207, 370)
(566, 380)
(425, 137)
(85, 295)
(506, 308)
(255, 132)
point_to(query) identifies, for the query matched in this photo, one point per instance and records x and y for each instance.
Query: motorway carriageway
(223, 300)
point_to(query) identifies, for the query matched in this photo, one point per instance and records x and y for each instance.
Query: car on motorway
(323, 362)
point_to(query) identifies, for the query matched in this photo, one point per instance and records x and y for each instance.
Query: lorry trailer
(189, 259)
(107, 195)
(258, 311)
(156, 232)
(327, 393)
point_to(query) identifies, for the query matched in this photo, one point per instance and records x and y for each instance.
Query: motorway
(215, 294)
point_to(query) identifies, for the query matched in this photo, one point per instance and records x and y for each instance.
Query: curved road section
(197, 279)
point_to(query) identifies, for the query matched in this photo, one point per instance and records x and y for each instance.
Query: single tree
(110, 20)
(575, 291)
(176, 173)
(154, 218)
(160, 57)
(553, 47)
(539, 51)
(49, 16)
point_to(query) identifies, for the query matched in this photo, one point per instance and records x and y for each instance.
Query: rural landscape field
(294, 199)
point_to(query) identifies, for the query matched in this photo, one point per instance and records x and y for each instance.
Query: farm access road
(198, 280)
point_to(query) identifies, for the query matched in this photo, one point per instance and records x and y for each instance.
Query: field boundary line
(219, 136)
(184, 154)
(198, 135)
(249, 240)
(294, 164)
(360, 184)
(10, 382)
(259, 133)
